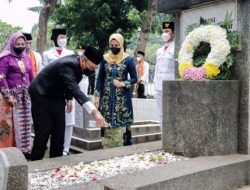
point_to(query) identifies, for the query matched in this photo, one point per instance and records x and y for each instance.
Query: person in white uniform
(165, 63)
(59, 50)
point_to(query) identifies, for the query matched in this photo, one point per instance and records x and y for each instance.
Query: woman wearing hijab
(15, 76)
(113, 96)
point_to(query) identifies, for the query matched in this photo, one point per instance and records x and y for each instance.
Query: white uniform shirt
(84, 84)
(52, 55)
(165, 66)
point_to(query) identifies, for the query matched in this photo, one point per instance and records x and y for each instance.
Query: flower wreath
(220, 48)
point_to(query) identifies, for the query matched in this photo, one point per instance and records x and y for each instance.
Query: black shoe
(27, 156)
(127, 137)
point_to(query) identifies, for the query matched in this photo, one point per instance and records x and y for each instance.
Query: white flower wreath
(220, 48)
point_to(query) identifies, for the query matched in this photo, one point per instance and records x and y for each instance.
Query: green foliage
(225, 73)
(227, 23)
(234, 40)
(140, 5)
(93, 21)
(5, 32)
(134, 16)
(159, 18)
(201, 52)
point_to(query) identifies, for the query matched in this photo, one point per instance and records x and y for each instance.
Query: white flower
(212, 34)
(97, 170)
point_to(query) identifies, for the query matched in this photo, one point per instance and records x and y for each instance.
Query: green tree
(46, 11)
(5, 31)
(159, 18)
(146, 26)
(93, 21)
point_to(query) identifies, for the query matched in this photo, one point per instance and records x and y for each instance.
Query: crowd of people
(41, 91)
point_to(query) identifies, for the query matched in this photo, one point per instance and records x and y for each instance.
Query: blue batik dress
(116, 103)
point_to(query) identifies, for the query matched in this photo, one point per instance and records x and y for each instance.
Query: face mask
(165, 36)
(88, 72)
(18, 50)
(62, 43)
(28, 47)
(115, 50)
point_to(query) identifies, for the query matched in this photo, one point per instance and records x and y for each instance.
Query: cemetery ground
(207, 172)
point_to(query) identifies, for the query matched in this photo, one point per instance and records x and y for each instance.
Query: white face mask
(165, 36)
(80, 53)
(28, 47)
(62, 43)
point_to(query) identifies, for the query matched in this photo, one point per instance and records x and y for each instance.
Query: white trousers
(67, 139)
(70, 122)
(158, 96)
(70, 117)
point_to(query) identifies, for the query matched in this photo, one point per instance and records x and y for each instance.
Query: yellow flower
(211, 69)
(212, 40)
(183, 66)
(221, 46)
(188, 47)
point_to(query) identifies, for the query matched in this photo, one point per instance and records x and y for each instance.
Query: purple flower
(194, 73)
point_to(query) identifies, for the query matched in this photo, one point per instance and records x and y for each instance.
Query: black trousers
(48, 122)
(141, 91)
(91, 88)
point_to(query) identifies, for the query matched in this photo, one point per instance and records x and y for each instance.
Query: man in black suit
(54, 88)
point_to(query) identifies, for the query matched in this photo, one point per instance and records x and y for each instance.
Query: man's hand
(97, 102)
(69, 106)
(118, 84)
(100, 121)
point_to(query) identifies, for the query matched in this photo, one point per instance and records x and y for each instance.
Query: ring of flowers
(220, 48)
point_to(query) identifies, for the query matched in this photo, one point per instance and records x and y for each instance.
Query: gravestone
(201, 117)
(13, 170)
(187, 13)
